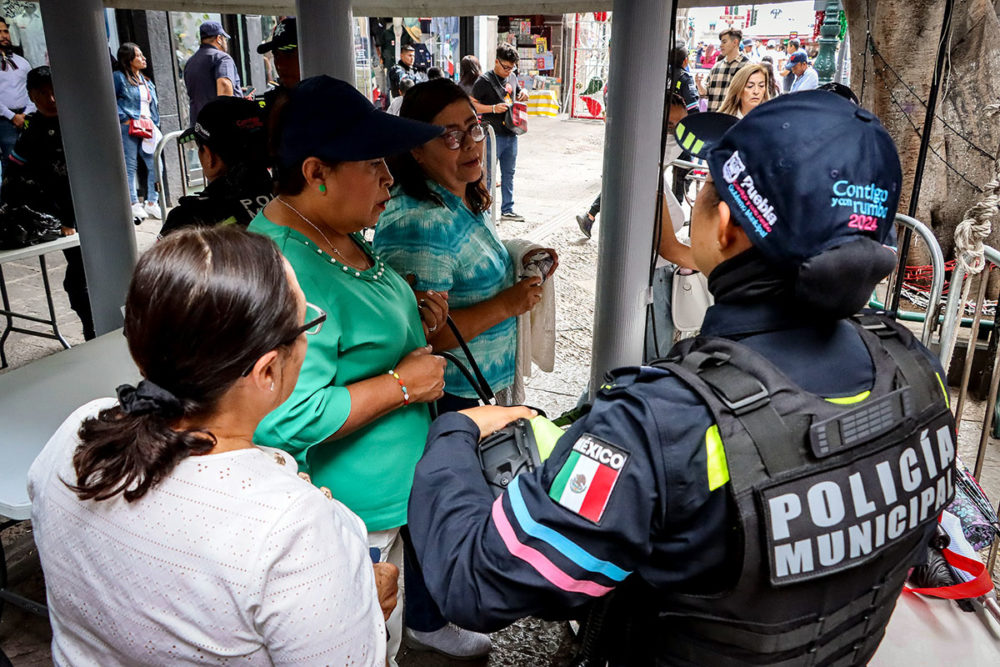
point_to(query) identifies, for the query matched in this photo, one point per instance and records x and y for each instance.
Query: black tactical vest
(835, 503)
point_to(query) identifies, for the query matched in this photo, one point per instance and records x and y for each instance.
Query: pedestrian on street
(210, 72)
(805, 77)
(751, 87)
(14, 101)
(708, 509)
(722, 74)
(499, 89)
(707, 59)
(791, 47)
(139, 117)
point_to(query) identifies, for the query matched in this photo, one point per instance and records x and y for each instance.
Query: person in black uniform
(403, 69)
(759, 497)
(284, 47)
(232, 149)
(36, 182)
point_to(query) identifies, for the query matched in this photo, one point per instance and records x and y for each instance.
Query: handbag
(141, 128)
(515, 119)
(690, 299)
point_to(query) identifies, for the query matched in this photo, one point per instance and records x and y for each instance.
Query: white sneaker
(451, 641)
(152, 210)
(139, 212)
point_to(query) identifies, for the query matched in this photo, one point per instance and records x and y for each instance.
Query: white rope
(969, 236)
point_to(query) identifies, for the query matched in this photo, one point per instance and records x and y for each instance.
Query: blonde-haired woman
(750, 87)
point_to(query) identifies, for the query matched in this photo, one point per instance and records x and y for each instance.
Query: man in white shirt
(806, 77)
(14, 101)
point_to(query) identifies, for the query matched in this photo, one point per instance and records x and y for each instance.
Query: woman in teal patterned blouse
(435, 228)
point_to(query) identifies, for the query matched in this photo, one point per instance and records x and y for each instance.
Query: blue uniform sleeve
(558, 538)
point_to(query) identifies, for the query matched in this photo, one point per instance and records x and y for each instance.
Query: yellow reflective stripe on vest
(546, 435)
(848, 400)
(715, 454)
(944, 390)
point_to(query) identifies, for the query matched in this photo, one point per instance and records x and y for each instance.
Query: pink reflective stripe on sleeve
(538, 560)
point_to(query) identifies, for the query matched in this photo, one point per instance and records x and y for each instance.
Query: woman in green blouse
(358, 418)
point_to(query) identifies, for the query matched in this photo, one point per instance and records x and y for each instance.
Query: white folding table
(17, 254)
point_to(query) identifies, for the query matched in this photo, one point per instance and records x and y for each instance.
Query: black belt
(15, 112)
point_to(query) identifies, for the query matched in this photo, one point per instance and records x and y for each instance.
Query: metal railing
(491, 170)
(160, 167)
(953, 319)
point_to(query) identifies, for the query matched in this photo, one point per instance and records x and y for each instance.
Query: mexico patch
(587, 479)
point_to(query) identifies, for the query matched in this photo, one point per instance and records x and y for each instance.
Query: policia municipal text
(758, 497)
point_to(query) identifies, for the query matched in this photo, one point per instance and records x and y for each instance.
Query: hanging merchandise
(591, 65)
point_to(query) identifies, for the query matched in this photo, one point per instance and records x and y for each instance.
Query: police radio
(507, 453)
(520, 446)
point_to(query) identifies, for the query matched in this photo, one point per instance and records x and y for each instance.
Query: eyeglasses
(505, 66)
(453, 138)
(315, 316)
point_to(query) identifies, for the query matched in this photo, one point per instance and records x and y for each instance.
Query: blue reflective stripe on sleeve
(560, 543)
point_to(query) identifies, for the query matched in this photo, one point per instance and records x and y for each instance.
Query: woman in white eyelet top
(228, 556)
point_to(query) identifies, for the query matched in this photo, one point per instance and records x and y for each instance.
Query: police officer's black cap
(802, 173)
(229, 126)
(329, 119)
(285, 37)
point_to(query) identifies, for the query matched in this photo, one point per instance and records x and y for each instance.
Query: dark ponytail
(203, 306)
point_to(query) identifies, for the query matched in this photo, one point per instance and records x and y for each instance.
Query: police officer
(284, 47)
(760, 497)
(232, 149)
(403, 69)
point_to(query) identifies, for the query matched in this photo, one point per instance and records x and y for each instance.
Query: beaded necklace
(376, 264)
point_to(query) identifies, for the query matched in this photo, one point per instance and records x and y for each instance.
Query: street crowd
(281, 441)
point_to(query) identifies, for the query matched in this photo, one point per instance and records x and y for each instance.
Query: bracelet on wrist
(406, 393)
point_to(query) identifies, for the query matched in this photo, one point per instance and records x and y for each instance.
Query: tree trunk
(893, 77)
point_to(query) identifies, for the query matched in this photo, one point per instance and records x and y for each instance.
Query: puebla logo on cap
(754, 206)
(733, 167)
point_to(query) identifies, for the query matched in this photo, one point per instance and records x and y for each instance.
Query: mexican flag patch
(586, 480)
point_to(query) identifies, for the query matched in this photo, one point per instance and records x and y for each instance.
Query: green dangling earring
(322, 188)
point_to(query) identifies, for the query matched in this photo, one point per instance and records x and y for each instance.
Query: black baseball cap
(211, 29)
(802, 173)
(232, 127)
(330, 119)
(285, 37)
